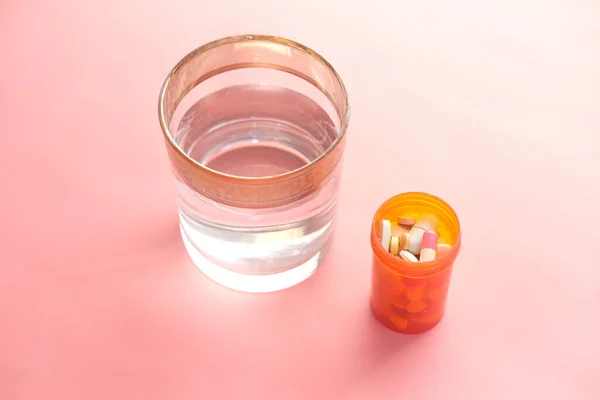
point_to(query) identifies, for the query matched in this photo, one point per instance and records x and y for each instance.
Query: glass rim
(165, 122)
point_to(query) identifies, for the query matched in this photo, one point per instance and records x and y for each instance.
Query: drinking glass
(255, 128)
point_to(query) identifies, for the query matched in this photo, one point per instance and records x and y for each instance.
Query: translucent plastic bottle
(411, 297)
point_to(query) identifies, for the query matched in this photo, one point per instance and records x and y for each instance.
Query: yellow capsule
(394, 244)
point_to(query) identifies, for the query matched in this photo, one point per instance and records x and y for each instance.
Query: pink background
(494, 107)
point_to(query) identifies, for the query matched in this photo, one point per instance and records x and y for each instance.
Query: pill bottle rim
(407, 268)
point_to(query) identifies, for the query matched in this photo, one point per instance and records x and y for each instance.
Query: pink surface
(494, 107)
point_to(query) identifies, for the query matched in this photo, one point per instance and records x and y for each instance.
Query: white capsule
(427, 255)
(408, 256)
(386, 234)
(424, 224)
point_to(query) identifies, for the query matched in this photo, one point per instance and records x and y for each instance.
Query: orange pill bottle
(410, 297)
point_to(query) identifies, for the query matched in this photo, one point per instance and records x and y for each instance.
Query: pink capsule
(428, 246)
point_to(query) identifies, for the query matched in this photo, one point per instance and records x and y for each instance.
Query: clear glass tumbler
(255, 130)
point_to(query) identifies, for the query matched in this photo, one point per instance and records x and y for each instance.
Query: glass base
(252, 283)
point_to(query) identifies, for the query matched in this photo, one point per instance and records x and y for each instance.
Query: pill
(408, 221)
(414, 293)
(394, 245)
(386, 234)
(397, 285)
(424, 224)
(398, 322)
(442, 249)
(403, 241)
(415, 306)
(428, 246)
(400, 303)
(408, 256)
(434, 294)
(398, 230)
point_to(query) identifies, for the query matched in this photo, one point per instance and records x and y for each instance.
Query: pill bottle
(410, 297)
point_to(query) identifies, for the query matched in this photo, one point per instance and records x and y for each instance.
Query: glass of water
(255, 130)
